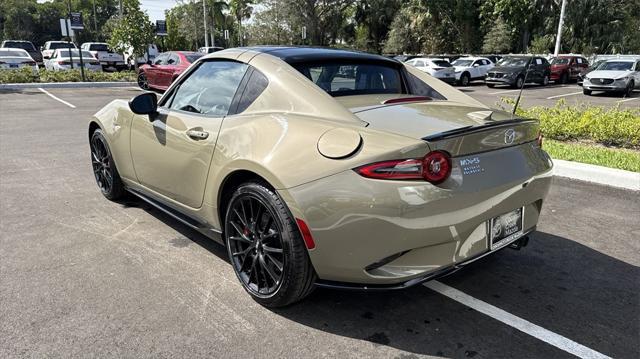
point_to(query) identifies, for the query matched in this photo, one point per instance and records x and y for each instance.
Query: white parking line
(567, 94)
(56, 98)
(522, 325)
(499, 92)
(628, 99)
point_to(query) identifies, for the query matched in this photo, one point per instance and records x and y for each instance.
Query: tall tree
(133, 32)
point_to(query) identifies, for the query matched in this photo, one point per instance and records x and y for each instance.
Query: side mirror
(144, 104)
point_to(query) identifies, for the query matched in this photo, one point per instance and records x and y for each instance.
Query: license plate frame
(510, 229)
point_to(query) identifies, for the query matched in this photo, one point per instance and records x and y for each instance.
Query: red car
(165, 68)
(565, 68)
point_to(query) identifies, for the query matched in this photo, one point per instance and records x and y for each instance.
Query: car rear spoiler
(480, 128)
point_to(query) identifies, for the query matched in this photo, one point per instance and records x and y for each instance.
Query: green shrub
(24, 75)
(614, 126)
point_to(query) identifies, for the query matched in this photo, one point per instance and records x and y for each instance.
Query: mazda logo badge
(509, 136)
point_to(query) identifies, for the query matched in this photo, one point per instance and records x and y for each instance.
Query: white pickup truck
(108, 59)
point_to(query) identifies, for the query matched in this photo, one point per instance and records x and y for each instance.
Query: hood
(609, 74)
(507, 69)
(421, 119)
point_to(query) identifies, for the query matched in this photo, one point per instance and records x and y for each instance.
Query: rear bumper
(388, 233)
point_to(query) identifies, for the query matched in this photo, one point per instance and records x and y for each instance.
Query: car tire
(465, 79)
(143, 83)
(545, 80)
(586, 92)
(491, 86)
(629, 90)
(519, 82)
(260, 228)
(104, 168)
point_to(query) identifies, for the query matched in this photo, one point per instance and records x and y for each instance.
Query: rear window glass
(19, 45)
(192, 57)
(559, 61)
(13, 53)
(441, 63)
(61, 45)
(75, 53)
(353, 79)
(99, 47)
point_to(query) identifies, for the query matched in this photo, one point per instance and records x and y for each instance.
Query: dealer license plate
(505, 228)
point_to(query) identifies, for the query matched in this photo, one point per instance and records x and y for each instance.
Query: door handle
(198, 135)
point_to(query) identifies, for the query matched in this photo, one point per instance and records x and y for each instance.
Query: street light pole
(560, 23)
(204, 16)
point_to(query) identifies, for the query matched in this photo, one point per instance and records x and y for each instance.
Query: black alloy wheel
(629, 90)
(256, 245)
(266, 248)
(564, 78)
(142, 81)
(104, 169)
(519, 82)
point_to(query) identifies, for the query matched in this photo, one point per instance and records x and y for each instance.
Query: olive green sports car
(326, 168)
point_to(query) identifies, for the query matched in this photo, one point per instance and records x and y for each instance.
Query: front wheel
(142, 81)
(629, 90)
(265, 247)
(464, 79)
(519, 82)
(586, 92)
(491, 86)
(104, 168)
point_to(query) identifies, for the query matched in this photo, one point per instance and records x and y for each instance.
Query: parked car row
(615, 75)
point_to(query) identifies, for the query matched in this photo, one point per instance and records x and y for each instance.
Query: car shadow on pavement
(554, 282)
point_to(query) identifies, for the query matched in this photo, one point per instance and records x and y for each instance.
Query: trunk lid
(450, 126)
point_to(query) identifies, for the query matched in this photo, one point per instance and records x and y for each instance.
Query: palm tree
(217, 15)
(241, 9)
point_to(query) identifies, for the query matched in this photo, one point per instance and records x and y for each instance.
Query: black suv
(25, 45)
(511, 71)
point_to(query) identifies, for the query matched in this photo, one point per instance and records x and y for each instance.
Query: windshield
(19, 45)
(75, 53)
(61, 45)
(344, 79)
(616, 65)
(513, 61)
(99, 47)
(192, 57)
(560, 61)
(13, 53)
(462, 63)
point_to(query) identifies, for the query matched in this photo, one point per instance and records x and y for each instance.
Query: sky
(155, 8)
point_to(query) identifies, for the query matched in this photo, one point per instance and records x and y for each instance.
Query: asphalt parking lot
(536, 95)
(84, 277)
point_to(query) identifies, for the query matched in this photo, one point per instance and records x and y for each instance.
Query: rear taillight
(64, 62)
(2, 62)
(435, 167)
(30, 63)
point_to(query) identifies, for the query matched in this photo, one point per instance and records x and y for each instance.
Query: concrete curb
(65, 85)
(597, 174)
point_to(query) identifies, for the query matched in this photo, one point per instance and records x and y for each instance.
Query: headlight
(622, 79)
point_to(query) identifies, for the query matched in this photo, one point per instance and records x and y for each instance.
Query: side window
(209, 89)
(419, 88)
(174, 59)
(161, 59)
(477, 62)
(638, 66)
(256, 84)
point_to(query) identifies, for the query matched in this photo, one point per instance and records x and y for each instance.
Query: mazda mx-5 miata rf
(320, 167)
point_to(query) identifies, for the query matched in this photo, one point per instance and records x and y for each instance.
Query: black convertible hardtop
(294, 55)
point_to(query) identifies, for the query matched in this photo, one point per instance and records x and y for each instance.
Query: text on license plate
(505, 228)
